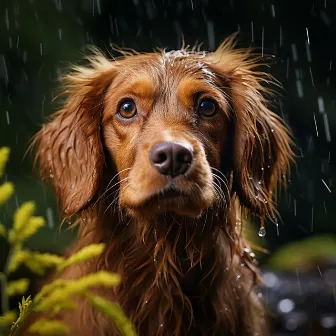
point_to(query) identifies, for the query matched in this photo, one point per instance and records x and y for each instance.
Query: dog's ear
(261, 144)
(69, 148)
(261, 149)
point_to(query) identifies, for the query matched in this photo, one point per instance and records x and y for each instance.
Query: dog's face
(183, 130)
(164, 125)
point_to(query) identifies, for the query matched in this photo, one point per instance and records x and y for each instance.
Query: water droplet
(262, 232)
(50, 218)
(238, 277)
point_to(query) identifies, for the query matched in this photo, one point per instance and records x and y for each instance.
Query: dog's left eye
(207, 108)
(127, 109)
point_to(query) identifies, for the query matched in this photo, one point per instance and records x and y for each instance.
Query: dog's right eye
(127, 109)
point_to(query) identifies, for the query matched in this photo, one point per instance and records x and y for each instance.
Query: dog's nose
(171, 158)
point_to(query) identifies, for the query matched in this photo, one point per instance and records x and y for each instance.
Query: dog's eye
(207, 108)
(127, 109)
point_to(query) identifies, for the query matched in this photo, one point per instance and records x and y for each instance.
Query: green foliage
(48, 327)
(24, 310)
(17, 287)
(7, 319)
(83, 255)
(25, 224)
(112, 310)
(304, 254)
(57, 295)
(4, 156)
(36, 262)
(6, 192)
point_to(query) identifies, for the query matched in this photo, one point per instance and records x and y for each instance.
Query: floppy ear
(69, 149)
(261, 144)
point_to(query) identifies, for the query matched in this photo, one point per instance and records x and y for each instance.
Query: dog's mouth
(183, 195)
(170, 192)
(170, 198)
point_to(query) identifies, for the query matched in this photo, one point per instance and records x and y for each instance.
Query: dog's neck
(174, 269)
(166, 239)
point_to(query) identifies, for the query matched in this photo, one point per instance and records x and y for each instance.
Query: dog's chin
(180, 206)
(171, 202)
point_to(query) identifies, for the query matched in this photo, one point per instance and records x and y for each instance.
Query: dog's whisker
(220, 173)
(220, 194)
(221, 182)
(114, 185)
(116, 199)
(108, 186)
(224, 183)
(218, 185)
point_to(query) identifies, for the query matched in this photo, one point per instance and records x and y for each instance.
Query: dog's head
(176, 131)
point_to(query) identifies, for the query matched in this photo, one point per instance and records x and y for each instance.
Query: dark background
(38, 39)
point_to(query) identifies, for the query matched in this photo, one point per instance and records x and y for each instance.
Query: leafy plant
(304, 254)
(57, 295)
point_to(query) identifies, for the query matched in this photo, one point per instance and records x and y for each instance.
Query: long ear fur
(69, 149)
(261, 148)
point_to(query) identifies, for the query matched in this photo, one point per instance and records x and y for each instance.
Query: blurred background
(39, 38)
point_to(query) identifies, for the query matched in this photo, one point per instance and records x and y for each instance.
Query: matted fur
(181, 274)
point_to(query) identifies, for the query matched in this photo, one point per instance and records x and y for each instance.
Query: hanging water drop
(262, 232)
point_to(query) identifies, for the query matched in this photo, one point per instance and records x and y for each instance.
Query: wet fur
(185, 273)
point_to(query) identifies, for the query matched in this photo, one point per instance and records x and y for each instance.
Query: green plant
(304, 254)
(57, 295)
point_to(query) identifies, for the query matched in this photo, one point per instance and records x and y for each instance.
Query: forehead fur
(161, 64)
(166, 70)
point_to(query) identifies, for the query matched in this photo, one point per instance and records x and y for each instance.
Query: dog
(159, 155)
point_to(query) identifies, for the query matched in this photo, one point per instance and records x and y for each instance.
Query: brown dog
(154, 152)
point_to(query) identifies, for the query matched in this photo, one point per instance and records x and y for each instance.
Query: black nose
(171, 158)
